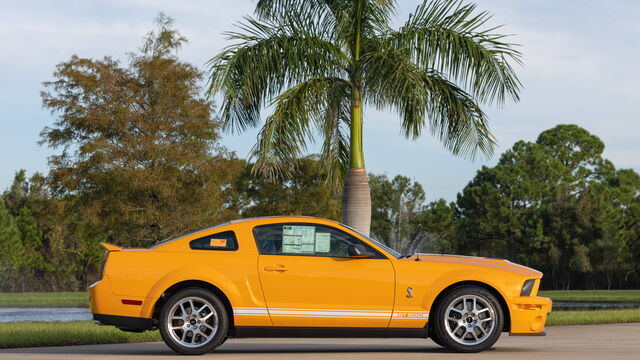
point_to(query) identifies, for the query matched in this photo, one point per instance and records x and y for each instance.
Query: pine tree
(31, 239)
(11, 249)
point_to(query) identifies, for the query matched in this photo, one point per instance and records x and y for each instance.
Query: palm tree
(316, 63)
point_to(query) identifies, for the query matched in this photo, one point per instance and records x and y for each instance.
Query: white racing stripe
(384, 311)
(331, 313)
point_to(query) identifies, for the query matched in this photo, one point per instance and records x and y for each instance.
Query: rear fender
(205, 274)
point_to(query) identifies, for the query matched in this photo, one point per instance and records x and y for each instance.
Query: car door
(309, 280)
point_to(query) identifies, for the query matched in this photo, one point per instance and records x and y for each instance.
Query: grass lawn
(42, 299)
(86, 332)
(80, 299)
(593, 295)
(70, 333)
(593, 317)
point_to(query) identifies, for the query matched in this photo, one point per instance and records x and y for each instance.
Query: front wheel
(193, 322)
(468, 319)
(436, 339)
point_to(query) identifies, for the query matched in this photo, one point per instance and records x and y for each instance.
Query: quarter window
(225, 241)
(305, 240)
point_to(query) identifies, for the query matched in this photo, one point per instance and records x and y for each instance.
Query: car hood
(477, 261)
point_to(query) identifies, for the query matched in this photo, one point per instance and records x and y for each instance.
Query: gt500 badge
(411, 315)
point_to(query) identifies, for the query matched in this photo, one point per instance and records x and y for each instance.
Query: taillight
(104, 264)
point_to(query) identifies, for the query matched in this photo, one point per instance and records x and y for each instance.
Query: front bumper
(529, 314)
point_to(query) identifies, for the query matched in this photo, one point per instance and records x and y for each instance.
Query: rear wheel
(193, 322)
(468, 319)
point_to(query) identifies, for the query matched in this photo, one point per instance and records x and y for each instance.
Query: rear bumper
(103, 302)
(111, 309)
(124, 322)
(529, 314)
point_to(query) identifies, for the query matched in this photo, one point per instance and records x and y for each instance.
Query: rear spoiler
(110, 247)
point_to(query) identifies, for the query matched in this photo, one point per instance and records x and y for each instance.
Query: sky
(580, 66)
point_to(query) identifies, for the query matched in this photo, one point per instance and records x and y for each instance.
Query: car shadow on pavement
(289, 348)
(160, 349)
(138, 349)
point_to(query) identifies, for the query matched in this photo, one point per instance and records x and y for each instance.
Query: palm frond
(324, 13)
(266, 59)
(426, 98)
(286, 132)
(334, 129)
(452, 38)
(375, 14)
(366, 18)
(280, 9)
(378, 14)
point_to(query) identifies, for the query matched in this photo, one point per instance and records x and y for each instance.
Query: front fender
(504, 287)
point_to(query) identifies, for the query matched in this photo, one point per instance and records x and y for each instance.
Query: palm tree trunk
(356, 199)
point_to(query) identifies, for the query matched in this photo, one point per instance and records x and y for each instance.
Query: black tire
(435, 339)
(473, 331)
(203, 339)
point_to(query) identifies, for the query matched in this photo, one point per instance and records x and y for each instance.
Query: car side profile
(310, 277)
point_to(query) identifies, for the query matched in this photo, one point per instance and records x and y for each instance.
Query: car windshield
(384, 247)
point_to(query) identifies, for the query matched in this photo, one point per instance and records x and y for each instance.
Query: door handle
(276, 268)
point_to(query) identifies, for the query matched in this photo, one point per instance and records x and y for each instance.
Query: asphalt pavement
(616, 341)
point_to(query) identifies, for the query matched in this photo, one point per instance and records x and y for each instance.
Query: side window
(225, 241)
(304, 240)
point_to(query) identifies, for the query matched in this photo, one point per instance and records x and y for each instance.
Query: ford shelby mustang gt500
(309, 277)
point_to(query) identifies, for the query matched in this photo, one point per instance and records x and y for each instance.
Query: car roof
(280, 217)
(251, 219)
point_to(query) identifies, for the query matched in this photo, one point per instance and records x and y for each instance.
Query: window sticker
(298, 239)
(290, 249)
(292, 240)
(218, 242)
(323, 242)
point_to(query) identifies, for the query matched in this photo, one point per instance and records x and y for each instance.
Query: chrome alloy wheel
(192, 322)
(470, 319)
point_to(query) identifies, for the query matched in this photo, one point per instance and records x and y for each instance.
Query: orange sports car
(309, 277)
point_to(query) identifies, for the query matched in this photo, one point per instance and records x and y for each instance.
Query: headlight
(527, 287)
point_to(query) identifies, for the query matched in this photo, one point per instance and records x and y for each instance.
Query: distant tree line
(554, 204)
(138, 161)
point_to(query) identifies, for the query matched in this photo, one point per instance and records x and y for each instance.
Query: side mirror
(359, 251)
